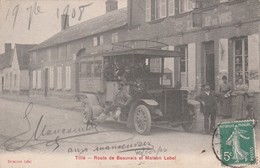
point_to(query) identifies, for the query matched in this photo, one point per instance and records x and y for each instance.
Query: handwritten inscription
(55, 137)
(73, 13)
(36, 9)
(221, 18)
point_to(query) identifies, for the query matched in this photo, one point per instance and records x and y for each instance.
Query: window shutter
(95, 42)
(59, 78)
(69, 77)
(34, 79)
(51, 78)
(253, 62)
(39, 77)
(148, 11)
(101, 40)
(163, 8)
(192, 66)
(223, 58)
(68, 71)
(171, 7)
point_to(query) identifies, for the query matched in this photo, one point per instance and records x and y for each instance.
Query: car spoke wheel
(142, 120)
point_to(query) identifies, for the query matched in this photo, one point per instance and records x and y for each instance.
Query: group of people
(209, 102)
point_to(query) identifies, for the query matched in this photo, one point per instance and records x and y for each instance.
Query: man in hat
(121, 99)
(207, 98)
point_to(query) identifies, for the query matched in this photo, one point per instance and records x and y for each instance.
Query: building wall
(65, 55)
(223, 21)
(24, 80)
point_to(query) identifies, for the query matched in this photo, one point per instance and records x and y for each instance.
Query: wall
(24, 80)
(63, 55)
(227, 20)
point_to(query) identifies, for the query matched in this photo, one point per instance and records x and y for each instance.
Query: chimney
(64, 21)
(8, 47)
(111, 5)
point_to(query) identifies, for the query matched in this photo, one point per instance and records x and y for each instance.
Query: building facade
(215, 38)
(55, 68)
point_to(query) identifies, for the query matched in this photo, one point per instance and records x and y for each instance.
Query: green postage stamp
(237, 140)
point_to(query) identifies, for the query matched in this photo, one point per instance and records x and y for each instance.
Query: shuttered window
(148, 11)
(253, 61)
(59, 78)
(171, 7)
(34, 79)
(68, 77)
(39, 79)
(51, 78)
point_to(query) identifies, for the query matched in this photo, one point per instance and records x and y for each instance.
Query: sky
(33, 21)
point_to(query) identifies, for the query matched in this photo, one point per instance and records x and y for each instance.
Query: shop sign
(217, 19)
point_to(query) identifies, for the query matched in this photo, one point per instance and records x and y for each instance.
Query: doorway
(46, 76)
(210, 63)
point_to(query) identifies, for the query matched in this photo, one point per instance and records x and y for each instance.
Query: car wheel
(142, 120)
(191, 118)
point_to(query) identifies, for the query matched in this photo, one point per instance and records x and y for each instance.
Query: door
(210, 64)
(46, 86)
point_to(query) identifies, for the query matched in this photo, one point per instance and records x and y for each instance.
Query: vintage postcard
(129, 83)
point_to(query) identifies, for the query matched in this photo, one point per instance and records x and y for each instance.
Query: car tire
(142, 120)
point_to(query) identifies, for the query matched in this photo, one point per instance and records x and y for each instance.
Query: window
(34, 79)
(68, 77)
(93, 68)
(171, 7)
(240, 50)
(51, 74)
(185, 5)
(39, 77)
(183, 64)
(115, 37)
(59, 78)
(155, 65)
(99, 40)
(156, 9)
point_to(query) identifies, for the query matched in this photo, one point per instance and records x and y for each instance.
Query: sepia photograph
(129, 83)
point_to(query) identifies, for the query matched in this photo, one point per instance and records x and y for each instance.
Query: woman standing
(240, 100)
(225, 90)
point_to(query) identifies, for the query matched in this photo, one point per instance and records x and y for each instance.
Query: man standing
(121, 99)
(208, 107)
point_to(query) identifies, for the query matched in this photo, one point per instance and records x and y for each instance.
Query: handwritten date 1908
(36, 9)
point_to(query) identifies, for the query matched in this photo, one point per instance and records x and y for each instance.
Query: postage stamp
(237, 143)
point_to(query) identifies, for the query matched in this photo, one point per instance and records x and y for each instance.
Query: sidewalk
(55, 102)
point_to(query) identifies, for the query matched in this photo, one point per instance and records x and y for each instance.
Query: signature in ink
(35, 137)
(144, 151)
